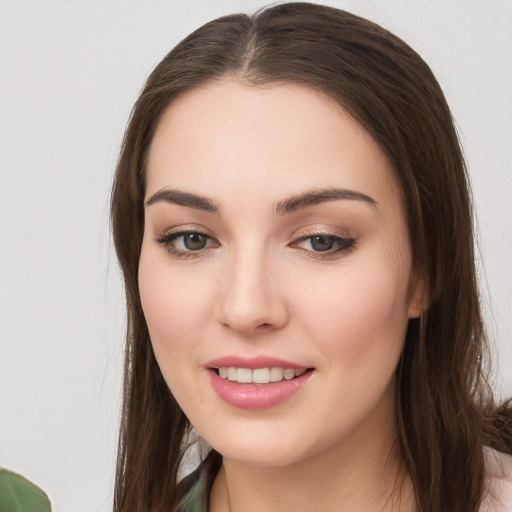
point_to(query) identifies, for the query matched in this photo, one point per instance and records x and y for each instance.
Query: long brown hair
(444, 411)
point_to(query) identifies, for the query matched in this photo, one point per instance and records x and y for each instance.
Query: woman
(292, 217)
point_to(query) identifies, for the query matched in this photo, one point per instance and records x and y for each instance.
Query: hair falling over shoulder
(445, 411)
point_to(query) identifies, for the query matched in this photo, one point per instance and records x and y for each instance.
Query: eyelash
(167, 240)
(344, 244)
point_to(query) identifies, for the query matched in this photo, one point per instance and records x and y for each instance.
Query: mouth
(260, 376)
(260, 382)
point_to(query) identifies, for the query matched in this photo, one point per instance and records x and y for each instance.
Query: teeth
(289, 374)
(276, 374)
(259, 375)
(244, 375)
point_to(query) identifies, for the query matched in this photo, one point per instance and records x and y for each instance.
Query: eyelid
(184, 228)
(314, 230)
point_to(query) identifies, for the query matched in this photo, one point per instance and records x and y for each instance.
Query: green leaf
(17, 494)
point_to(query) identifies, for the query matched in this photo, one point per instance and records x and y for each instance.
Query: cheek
(359, 319)
(172, 313)
(358, 326)
(171, 304)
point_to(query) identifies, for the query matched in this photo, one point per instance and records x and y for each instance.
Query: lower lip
(257, 396)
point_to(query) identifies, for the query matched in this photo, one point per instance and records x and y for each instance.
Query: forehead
(230, 138)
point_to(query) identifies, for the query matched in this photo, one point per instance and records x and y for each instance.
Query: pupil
(322, 243)
(194, 241)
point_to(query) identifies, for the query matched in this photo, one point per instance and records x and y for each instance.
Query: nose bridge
(250, 293)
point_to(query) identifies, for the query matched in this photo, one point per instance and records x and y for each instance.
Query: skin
(259, 287)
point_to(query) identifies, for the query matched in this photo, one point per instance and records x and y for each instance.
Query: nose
(251, 299)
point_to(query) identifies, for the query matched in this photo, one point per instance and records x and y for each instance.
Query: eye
(186, 244)
(324, 245)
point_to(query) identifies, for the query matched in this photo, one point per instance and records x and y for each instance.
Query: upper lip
(232, 361)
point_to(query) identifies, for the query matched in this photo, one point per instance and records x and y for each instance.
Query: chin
(265, 449)
(269, 457)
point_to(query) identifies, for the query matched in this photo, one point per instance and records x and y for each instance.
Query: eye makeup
(193, 243)
(186, 243)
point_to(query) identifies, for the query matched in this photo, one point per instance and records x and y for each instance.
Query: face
(274, 271)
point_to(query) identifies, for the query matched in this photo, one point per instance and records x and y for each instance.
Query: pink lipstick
(258, 382)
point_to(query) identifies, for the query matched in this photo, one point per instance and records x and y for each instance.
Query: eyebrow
(289, 205)
(315, 197)
(183, 199)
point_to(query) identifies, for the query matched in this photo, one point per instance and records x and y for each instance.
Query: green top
(192, 500)
(195, 488)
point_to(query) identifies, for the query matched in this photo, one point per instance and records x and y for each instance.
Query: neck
(361, 473)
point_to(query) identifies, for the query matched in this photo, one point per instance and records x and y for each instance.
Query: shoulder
(498, 497)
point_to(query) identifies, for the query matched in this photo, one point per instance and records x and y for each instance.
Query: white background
(69, 74)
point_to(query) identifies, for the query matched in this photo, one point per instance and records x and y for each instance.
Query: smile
(258, 375)
(254, 383)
